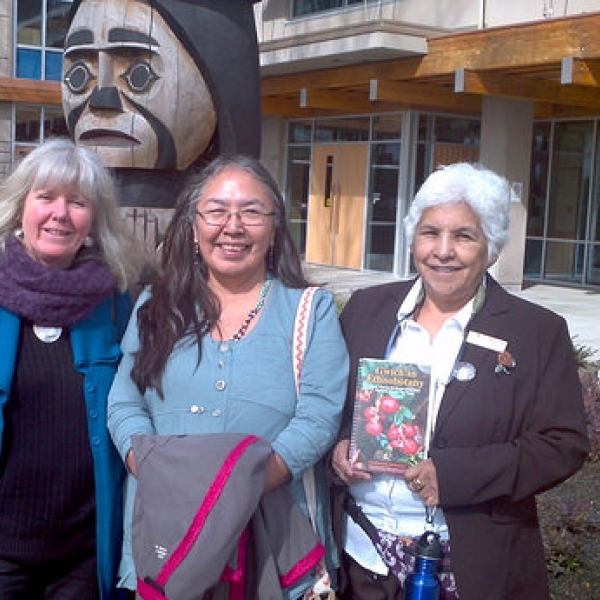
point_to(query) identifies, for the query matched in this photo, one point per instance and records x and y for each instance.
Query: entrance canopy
(553, 63)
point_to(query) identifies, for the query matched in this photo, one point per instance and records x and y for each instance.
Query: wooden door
(336, 205)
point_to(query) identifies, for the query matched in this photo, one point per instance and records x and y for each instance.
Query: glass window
(594, 228)
(564, 261)
(307, 7)
(29, 22)
(538, 179)
(29, 63)
(382, 207)
(41, 29)
(569, 190)
(353, 129)
(57, 22)
(453, 130)
(563, 223)
(593, 275)
(386, 127)
(33, 124)
(386, 154)
(445, 140)
(53, 66)
(384, 195)
(297, 193)
(54, 123)
(27, 127)
(533, 259)
(300, 132)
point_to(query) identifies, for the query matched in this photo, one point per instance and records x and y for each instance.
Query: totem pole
(159, 87)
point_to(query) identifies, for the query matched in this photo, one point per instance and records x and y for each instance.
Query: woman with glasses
(209, 346)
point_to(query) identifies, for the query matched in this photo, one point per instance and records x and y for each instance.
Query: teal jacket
(95, 342)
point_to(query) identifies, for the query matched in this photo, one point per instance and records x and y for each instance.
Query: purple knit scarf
(52, 297)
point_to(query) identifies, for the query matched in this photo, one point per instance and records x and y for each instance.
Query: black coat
(499, 439)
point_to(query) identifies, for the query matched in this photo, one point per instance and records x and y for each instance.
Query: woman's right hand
(344, 467)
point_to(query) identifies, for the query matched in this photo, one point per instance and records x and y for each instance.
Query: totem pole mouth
(107, 137)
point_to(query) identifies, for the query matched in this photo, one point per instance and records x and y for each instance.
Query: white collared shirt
(386, 500)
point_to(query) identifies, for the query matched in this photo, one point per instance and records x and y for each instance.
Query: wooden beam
(537, 43)
(544, 110)
(528, 46)
(289, 108)
(580, 72)
(524, 88)
(424, 94)
(31, 91)
(349, 101)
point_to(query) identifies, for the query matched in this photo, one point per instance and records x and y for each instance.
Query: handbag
(321, 588)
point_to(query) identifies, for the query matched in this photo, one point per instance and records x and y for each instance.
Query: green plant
(590, 385)
(584, 355)
(562, 539)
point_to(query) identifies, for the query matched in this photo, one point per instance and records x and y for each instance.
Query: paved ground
(581, 308)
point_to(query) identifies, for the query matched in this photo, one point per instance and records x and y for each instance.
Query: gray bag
(199, 509)
(195, 495)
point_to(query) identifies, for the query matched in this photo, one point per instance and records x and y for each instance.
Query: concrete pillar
(506, 137)
(5, 71)
(6, 38)
(273, 147)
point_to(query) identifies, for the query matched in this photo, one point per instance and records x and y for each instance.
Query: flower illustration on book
(390, 414)
(392, 434)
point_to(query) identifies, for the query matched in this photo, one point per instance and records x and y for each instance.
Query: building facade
(362, 99)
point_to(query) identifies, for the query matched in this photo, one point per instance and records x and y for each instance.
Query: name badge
(486, 341)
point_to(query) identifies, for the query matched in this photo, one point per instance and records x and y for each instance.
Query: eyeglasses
(219, 217)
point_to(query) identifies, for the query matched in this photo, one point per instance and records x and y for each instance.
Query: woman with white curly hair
(505, 410)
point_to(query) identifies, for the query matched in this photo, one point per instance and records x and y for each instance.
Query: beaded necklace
(241, 332)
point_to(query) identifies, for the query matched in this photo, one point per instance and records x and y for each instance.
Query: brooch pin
(506, 363)
(464, 371)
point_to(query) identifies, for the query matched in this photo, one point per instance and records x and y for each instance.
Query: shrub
(591, 400)
(590, 383)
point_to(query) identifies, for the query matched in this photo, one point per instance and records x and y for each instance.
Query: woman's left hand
(422, 480)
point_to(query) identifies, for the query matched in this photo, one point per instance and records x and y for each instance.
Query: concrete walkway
(581, 308)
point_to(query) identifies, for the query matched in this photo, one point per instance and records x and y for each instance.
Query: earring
(19, 234)
(88, 242)
(271, 259)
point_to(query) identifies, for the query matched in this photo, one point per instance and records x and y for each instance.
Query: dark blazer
(499, 439)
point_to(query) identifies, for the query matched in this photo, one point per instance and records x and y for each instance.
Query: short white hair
(485, 192)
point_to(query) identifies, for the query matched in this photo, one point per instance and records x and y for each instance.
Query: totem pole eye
(139, 76)
(78, 77)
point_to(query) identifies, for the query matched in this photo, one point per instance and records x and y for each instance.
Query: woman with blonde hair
(66, 262)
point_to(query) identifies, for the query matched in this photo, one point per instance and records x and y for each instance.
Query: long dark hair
(182, 305)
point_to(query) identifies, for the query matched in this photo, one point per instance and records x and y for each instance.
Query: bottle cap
(429, 546)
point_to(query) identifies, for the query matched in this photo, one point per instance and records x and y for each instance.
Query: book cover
(390, 415)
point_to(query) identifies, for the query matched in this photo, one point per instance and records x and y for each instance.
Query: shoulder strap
(300, 330)
(299, 348)
(321, 587)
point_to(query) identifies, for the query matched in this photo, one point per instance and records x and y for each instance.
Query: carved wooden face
(131, 90)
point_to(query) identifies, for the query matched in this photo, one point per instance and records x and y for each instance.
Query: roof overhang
(553, 63)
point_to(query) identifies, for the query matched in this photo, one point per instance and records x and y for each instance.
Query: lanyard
(459, 370)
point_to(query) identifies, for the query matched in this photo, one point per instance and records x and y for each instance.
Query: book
(390, 416)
